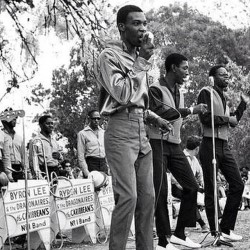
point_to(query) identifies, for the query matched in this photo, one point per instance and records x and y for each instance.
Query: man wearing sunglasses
(223, 119)
(90, 146)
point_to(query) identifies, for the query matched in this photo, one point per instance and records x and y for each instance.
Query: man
(191, 150)
(45, 149)
(122, 74)
(17, 148)
(224, 158)
(5, 162)
(90, 146)
(168, 102)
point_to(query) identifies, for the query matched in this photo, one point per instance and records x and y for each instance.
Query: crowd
(142, 142)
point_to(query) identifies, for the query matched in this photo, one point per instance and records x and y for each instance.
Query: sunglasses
(95, 118)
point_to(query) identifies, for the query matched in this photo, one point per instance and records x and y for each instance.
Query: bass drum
(99, 178)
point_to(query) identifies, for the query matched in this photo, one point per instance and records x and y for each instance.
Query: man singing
(122, 74)
(167, 101)
(224, 158)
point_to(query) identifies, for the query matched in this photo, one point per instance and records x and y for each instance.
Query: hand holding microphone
(147, 45)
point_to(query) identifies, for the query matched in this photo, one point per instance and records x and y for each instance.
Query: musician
(168, 154)
(5, 162)
(17, 148)
(45, 146)
(122, 74)
(225, 161)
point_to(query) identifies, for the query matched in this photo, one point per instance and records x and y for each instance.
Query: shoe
(204, 229)
(168, 247)
(187, 242)
(232, 236)
(160, 248)
(171, 247)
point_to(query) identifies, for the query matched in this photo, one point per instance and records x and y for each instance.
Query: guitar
(12, 114)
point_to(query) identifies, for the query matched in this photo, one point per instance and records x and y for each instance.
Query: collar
(218, 89)
(88, 128)
(9, 133)
(163, 82)
(44, 137)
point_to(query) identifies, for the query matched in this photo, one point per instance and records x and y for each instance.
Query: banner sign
(38, 206)
(75, 203)
(106, 202)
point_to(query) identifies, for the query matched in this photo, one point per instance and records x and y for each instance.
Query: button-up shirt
(90, 143)
(41, 147)
(123, 79)
(17, 148)
(196, 168)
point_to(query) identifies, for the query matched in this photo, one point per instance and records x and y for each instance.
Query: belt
(15, 163)
(134, 110)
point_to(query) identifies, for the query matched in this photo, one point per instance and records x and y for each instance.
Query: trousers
(176, 192)
(169, 156)
(129, 157)
(98, 164)
(226, 163)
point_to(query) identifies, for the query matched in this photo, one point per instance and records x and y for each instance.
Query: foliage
(73, 94)
(27, 20)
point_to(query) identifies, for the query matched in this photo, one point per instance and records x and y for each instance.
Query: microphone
(211, 81)
(149, 35)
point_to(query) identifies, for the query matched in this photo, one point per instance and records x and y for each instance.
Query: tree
(26, 20)
(73, 93)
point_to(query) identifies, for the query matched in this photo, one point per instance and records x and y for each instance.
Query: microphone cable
(162, 134)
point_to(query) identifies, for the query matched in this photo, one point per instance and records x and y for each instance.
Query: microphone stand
(217, 240)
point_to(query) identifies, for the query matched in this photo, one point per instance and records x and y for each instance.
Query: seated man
(191, 150)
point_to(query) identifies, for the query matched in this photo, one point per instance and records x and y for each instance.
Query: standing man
(17, 148)
(5, 162)
(90, 146)
(122, 74)
(46, 149)
(224, 158)
(168, 102)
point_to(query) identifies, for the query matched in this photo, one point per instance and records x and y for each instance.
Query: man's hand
(86, 174)
(56, 155)
(10, 178)
(245, 98)
(165, 126)
(233, 121)
(200, 109)
(147, 46)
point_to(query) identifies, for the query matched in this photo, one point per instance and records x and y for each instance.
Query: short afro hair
(214, 69)
(124, 11)
(174, 58)
(193, 142)
(92, 111)
(43, 119)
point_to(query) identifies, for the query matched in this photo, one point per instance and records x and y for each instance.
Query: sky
(54, 53)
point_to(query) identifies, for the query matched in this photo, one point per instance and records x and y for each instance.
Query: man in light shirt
(121, 72)
(4, 159)
(90, 146)
(45, 149)
(17, 149)
(191, 151)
